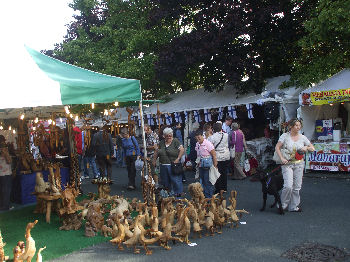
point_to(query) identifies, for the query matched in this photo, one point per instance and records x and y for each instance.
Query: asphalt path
(265, 236)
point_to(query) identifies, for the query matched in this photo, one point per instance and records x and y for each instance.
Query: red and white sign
(324, 168)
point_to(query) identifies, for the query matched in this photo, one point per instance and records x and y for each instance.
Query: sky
(38, 24)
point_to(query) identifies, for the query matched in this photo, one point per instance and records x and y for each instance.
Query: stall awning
(59, 83)
(335, 89)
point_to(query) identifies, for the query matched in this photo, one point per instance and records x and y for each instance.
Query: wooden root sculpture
(39, 257)
(148, 185)
(134, 240)
(40, 185)
(18, 250)
(196, 192)
(119, 239)
(30, 248)
(2, 252)
(94, 218)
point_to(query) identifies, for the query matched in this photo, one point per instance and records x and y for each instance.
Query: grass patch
(57, 242)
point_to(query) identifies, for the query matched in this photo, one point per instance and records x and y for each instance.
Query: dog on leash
(271, 184)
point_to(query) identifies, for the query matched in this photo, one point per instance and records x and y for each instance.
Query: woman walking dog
(290, 148)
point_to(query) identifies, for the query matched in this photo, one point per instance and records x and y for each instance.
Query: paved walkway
(265, 236)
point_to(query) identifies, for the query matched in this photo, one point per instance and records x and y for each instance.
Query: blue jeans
(120, 157)
(170, 181)
(92, 165)
(208, 188)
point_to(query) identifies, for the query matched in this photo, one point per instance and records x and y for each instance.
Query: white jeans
(293, 178)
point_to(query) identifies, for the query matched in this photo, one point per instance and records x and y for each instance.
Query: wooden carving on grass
(2, 252)
(30, 248)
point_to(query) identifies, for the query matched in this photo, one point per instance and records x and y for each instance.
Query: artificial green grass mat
(58, 243)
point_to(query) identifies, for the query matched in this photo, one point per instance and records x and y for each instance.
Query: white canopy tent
(201, 99)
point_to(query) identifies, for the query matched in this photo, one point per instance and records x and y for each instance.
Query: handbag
(176, 168)
(233, 149)
(284, 153)
(206, 162)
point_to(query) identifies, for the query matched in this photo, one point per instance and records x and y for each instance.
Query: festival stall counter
(325, 110)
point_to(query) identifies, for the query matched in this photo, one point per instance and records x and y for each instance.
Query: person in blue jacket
(132, 152)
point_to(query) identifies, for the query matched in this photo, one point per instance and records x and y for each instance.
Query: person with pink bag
(238, 141)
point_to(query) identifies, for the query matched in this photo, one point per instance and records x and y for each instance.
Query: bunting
(221, 112)
(186, 116)
(232, 112)
(139, 117)
(168, 119)
(177, 117)
(250, 110)
(207, 115)
(196, 116)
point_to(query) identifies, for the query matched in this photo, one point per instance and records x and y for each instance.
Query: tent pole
(143, 139)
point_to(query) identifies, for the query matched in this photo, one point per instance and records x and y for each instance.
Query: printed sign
(325, 97)
(329, 157)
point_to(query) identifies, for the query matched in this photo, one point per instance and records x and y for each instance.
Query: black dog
(272, 183)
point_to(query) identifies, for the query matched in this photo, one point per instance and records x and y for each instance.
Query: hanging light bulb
(36, 120)
(76, 118)
(1, 127)
(34, 128)
(66, 108)
(22, 117)
(10, 127)
(14, 131)
(116, 103)
(93, 105)
(49, 121)
(71, 115)
(53, 122)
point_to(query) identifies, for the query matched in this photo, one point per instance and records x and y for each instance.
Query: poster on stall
(331, 156)
(325, 97)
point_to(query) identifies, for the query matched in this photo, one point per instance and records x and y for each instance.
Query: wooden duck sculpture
(39, 257)
(30, 244)
(186, 227)
(146, 241)
(134, 240)
(119, 239)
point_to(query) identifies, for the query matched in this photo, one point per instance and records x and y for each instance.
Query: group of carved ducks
(177, 218)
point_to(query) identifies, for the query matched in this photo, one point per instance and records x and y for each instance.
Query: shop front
(325, 110)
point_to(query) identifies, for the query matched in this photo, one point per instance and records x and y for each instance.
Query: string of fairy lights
(50, 121)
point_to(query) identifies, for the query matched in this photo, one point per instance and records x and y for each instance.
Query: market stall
(326, 119)
(56, 84)
(254, 112)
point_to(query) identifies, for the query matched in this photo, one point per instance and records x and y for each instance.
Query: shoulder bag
(233, 149)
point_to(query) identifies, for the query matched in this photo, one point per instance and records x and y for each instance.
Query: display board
(329, 156)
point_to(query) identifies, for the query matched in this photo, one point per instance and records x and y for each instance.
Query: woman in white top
(220, 141)
(289, 146)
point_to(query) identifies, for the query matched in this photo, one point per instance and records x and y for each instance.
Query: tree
(325, 49)
(227, 41)
(113, 37)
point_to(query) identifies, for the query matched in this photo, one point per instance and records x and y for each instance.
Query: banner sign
(325, 97)
(333, 156)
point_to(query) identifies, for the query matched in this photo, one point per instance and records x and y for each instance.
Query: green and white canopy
(40, 80)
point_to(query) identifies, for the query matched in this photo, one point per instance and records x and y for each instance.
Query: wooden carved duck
(30, 244)
(134, 240)
(39, 257)
(121, 235)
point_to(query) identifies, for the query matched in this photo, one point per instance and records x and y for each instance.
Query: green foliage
(325, 49)
(113, 37)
